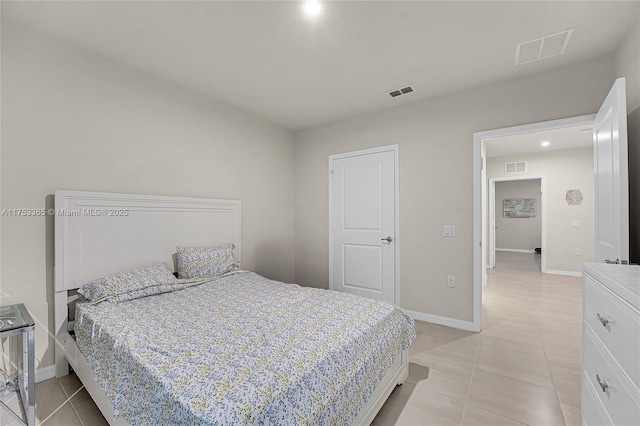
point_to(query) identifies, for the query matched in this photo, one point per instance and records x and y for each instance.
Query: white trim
(395, 149)
(479, 219)
(516, 250)
(566, 273)
(437, 319)
(491, 224)
(45, 373)
(479, 205)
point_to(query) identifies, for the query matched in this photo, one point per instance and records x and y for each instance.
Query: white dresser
(611, 345)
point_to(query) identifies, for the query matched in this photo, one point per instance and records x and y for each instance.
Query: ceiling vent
(542, 48)
(515, 167)
(402, 91)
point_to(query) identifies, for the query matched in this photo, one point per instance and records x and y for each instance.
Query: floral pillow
(124, 282)
(206, 261)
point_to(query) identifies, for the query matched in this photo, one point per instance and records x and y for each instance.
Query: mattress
(241, 349)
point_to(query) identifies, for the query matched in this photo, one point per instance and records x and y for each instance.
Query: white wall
(518, 233)
(627, 64)
(436, 183)
(74, 120)
(563, 170)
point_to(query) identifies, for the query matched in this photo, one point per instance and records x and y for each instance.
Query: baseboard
(449, 322)
(45, 373)
(516, 250)
(566, 273)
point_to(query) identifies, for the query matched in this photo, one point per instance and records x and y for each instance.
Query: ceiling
(531, 143)
(268, 58)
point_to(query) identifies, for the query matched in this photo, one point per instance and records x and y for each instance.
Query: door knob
(388, 239)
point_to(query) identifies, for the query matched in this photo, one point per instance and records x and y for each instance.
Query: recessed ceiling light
(545, 143)
(312, 7)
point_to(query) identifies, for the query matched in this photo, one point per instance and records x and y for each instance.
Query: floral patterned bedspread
(241, 349)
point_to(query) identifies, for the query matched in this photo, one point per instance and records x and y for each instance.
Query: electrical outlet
(578, 252)
(451, 281)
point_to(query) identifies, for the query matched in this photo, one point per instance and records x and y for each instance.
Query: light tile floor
(523, 368)
(60, 402)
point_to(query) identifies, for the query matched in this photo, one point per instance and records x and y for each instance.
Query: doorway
(611, 196)
(518, 233)
(480, 196)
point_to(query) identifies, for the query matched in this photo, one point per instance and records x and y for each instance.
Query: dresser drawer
(619, 398)
(593, 413)
(616, 324)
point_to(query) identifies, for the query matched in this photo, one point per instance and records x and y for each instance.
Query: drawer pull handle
(603, 384)
(605, 321)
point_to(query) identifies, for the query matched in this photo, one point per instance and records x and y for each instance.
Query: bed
(237, 348)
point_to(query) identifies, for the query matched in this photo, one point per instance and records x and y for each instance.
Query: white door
(611, 174)
(363, 207)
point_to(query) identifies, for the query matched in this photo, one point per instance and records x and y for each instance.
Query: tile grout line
(73, 407)
(534, 312)
(72, 404)
(68, 400)
(473, 369)
(553, 382)
(555, 389)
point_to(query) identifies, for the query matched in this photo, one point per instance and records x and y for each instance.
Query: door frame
(396, 210)
(543, 217)
(480, 201)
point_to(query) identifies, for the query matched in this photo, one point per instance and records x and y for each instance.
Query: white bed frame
(97, 234)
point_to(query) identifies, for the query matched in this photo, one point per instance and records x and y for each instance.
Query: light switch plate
(449, 230)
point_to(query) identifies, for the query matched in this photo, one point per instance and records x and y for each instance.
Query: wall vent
(402, 91)
(542, 48)
(515, 167)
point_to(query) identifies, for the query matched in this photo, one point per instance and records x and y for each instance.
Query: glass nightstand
(15, 320)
